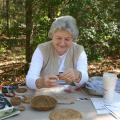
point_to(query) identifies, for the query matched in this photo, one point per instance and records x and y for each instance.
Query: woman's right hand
(50, 80)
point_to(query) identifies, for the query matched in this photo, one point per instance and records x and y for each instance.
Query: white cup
(109, 82)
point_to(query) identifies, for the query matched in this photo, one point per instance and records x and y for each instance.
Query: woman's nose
(62, 41)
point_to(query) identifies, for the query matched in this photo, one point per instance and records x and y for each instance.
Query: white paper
(115, 109)
(99, 105)
(102, 108)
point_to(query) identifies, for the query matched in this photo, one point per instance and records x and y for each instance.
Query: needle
(112, 113)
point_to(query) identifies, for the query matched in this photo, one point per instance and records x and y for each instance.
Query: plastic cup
(109, 82)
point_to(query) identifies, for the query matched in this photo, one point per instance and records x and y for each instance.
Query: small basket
(65, 114)
(43, 102)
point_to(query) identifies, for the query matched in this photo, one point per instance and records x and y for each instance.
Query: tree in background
(98, 22)
(29, 26)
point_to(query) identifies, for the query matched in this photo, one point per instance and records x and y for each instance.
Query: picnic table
(81, 99)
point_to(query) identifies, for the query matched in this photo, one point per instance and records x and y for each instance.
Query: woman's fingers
(54, 77)
(68, 75)
(51, 80)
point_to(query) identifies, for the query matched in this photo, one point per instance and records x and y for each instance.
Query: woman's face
(62, 41)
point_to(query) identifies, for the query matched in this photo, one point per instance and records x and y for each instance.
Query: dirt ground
(106, 65)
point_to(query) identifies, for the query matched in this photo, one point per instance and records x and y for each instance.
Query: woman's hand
(47, 81)
(50, 80)
(71, 75)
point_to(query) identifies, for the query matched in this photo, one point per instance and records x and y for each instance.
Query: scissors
(4, 102)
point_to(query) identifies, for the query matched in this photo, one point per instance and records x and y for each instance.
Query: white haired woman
(60, 58)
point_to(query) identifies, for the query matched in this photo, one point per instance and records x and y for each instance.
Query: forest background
(25, 23)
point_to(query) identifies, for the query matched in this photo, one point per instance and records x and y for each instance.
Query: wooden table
(84, 106)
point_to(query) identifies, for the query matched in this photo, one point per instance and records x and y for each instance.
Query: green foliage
(16, 17)
(2, 49)
(98, 22)
(40, 30)
(42, 19)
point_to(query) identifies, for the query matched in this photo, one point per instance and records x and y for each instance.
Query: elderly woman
(59, 59)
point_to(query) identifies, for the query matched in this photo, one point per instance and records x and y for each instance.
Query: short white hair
(67, 23)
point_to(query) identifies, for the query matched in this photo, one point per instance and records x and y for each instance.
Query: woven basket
(21, 90)
(15, 101)
(43, 102)
(65, 114)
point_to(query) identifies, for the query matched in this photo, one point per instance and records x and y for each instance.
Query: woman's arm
(33, 79)
(82, 66)
(79, 75)
(35, 68)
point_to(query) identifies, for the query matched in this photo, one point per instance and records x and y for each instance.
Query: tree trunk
(51, 12)
(7, 17)
(29, 25)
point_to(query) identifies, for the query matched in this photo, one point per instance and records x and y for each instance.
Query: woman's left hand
(71, 75)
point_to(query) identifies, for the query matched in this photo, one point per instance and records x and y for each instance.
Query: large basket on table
(65, 114)
(43, 102)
